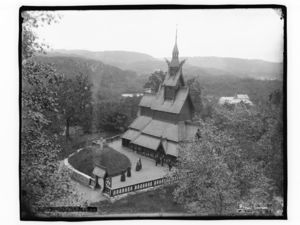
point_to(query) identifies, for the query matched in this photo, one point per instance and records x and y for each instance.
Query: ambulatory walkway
(149, 170)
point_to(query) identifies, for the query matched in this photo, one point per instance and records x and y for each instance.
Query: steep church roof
(150, 131)
(170, 106)
(174, 79)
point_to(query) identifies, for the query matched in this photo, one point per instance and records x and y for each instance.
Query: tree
(41, 180)
(196, 93)
(275, 97)
(154, 80)
(30, 21)
(234, 161)
(75, 98)
(212, 188)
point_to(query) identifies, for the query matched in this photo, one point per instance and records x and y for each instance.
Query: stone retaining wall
(77, 175)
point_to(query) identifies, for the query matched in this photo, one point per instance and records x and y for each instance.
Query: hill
(107, 79)
(144, 64)
(243, 68)
(121, 59)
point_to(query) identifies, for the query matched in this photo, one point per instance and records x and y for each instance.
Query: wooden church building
(164, 118)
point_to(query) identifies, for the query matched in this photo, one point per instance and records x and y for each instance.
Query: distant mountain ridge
(254, 68)
(116, 58)
(195, 66)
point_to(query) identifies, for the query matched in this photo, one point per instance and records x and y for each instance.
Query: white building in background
(147, 90)
(239, 98)
(130, 95)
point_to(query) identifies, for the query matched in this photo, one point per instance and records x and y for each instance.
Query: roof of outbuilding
(240, 96)
(99, 172)
(235, 100)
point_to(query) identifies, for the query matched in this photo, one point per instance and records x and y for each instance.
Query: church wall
(186, 112)
(144, 111)
(158, 115)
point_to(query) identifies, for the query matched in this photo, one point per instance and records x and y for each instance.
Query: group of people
(161, 160)
(158, 160)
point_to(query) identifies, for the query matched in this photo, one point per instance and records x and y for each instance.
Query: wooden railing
(136, 187)
(148, 184)
(113, 138)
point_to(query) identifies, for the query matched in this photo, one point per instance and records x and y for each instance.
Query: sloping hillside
(121, 59)
(243, 68)
(108, 79)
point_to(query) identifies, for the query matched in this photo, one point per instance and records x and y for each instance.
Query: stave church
(164, 118)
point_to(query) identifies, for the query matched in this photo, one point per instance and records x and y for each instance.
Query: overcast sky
(241, 33)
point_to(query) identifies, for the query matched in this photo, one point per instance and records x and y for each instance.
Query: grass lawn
(114, 161)
(83, 161)
(156, 201)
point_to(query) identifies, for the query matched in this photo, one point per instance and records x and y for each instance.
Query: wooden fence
(113, 138)
(148, 184)
(135, 187)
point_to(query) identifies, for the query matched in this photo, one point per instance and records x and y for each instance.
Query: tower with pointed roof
(164, 118)
(174, 64)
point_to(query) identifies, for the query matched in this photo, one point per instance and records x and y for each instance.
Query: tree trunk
(68, 129)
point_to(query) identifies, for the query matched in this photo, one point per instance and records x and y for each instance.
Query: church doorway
(161, 155)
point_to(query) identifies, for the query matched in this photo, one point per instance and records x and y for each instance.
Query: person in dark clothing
(198, 134)
(170, 166)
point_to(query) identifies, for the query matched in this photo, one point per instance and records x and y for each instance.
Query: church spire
(175, 59)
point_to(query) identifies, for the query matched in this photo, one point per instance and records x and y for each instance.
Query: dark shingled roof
(170, 148)
(156, 132)
(140, 122)
(160, 104)
(130, 134)
(162, 129)
(172, 80)
(147, 100)
(147, 141)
